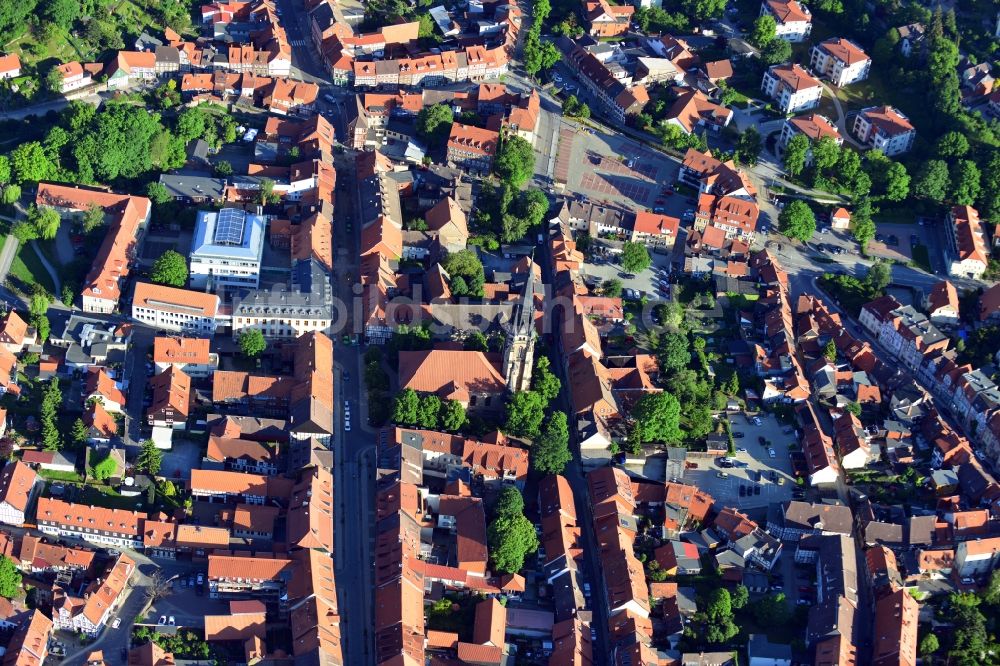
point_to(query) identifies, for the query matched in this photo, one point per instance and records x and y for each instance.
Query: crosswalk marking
(297, 42)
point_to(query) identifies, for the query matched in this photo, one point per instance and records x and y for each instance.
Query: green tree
(49, 411)
(550, 451)
(951, 144)
(428, 412)
(509, 503)
(929, 645)
(796, 154)
(54, 80)
(104, 469)
(965, 185)
(719, 604)
(11, 194)
(797, 221)
(933, 181)
(465, 264)
(5, 169)
(991, 593)
(862, 222)
(475, 341)
(120, 144)
(511, 536)
(223, 168)
(897, 182)
(635, 258)
(434, 123)
(674, 351)
(749, 145)
(406, 407)
(853, 408)
(170, 269)
(79, 432)
(31, 163)
(544, 381)
(989, 197)
(772, 610)
(763, 31)
(878, 278)
(525, 412)
(46, 222)
(701, 10)
(10, 579)
(657, 418)
(612, 287)
(158, 192)
(740, 597)
(515, 161)
(93, 217)
(191, 123)
(452, 415)
(778, 50)
(62, 12)
(251, 342)
(830, 351)
(826, 153)
(150, 458)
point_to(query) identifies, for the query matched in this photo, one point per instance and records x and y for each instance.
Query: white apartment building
(112, 527)
(173, 309)
(978, 557)
(793, 22)
(227, 249)
(792, 88)
(885, 128)
(840, 60)
(967, 247)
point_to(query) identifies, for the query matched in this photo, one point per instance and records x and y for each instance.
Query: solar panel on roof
(229, 226)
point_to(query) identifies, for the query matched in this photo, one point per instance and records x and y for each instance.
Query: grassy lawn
(54, 475)
(28, 270)
(895, 216)
(922, 258)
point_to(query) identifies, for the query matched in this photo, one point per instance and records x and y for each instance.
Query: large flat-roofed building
(175, 309)
(227, 249)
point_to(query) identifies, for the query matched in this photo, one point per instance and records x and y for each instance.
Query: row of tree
(428, 412)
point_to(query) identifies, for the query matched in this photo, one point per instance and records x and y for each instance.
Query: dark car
(738, 435)
(762, 441)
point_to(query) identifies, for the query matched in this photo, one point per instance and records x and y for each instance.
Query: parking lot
(186, 605)
(752, 461)
(647, 281)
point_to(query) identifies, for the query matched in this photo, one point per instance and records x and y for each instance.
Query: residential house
(942, 304)
(242, 455)
(840, 219)
(792, 88)
(240, 575)
(989, 305)
(15, 334)
(692, 110)
(101, 598)
(19, 486)
(114, 527)
(212, 485)
(895, 632)
(471, 148)
(884, 128)
(967, 245)
(10, 66)
(129, 68)
(977, 558)
(29, 646)
(171, 399)
(74, 77)
(608, 20)
(100, 386)
(840, 60)
(190, 355)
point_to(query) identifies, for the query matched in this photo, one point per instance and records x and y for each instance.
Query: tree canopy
(434, 123)
(797, 221)
(150, 458)
(635, 258)
(657, 418)
(525, 412)
(10, 579)
(550, 451)
(251, 341)
(170, 269)
(515, 161)
(511, 536)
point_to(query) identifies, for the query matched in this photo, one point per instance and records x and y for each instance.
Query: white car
(117, 623)
(347, 425)
(757, 421)
(771, 453)
(557, 78)
(163, 620)
(171, 621)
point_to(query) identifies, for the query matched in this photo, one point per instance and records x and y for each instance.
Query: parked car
(740, 449)
(738, 435)
(771, 453)
(757, 421)
(761, 440)
(171, 621)
(722, 475)
(117, 623)
(163, 620)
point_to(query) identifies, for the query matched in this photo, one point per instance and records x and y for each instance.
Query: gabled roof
(16, 483)
(787, 11)
(452, 374)
(180, 350)
(843, 50)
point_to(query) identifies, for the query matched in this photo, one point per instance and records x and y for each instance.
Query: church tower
(519, 346)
